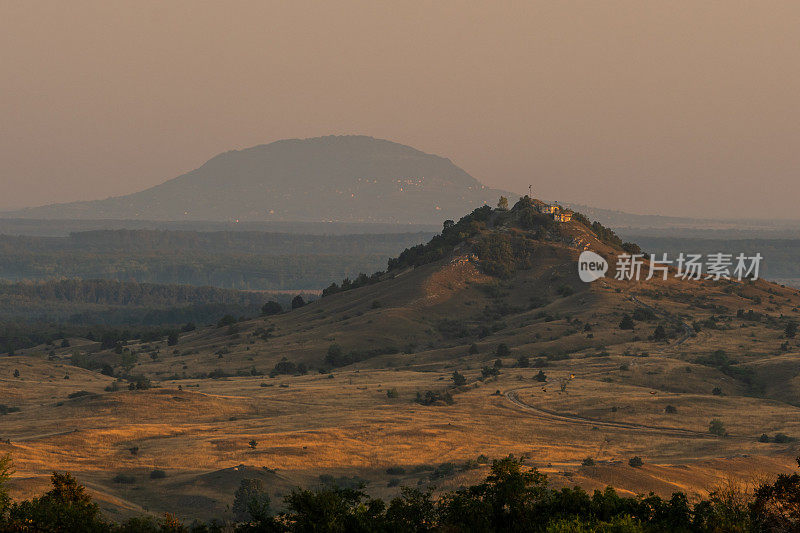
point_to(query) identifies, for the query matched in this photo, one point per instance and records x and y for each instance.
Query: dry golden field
(605, 396)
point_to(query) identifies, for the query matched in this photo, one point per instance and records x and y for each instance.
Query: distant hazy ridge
(344, 179)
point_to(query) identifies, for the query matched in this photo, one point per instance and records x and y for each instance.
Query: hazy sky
(688, 108)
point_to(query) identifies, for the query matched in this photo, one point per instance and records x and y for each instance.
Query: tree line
(512, 498)
(249, 242)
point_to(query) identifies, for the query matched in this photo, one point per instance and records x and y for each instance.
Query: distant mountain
(334, 178)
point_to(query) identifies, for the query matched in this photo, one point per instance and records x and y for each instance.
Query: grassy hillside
(481, 343)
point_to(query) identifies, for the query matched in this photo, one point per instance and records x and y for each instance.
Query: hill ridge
(354, 178)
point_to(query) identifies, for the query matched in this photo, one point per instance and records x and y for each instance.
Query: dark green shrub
(458, 379)
(716, 427)
(782, 438)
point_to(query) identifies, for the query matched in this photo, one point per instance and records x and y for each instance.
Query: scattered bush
(6, 409)
(227, 320)
(443, 470)
(458, 379)
(626, 323)
(172, 338)
(716, 427)
(434, 398)
(286, 367)
(271, 308)
(487, 372)
(565, 290)
(643, 314)
(139, 383)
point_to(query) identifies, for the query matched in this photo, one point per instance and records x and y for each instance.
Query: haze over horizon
(678, 109)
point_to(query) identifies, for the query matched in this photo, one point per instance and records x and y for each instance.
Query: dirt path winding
(513, 397)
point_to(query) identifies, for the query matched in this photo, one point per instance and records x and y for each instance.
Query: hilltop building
(558, 213)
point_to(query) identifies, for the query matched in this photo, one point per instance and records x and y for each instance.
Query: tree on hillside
(458, 378)
(172, 338)
(635, 461)
(502, 203)
(227, 320)
(298, 302)
(66, 507)
(626, 323)
(251, 502)
(6, 470)
(716, 427)
(271, 308)
(777, 506)
(791, 329)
